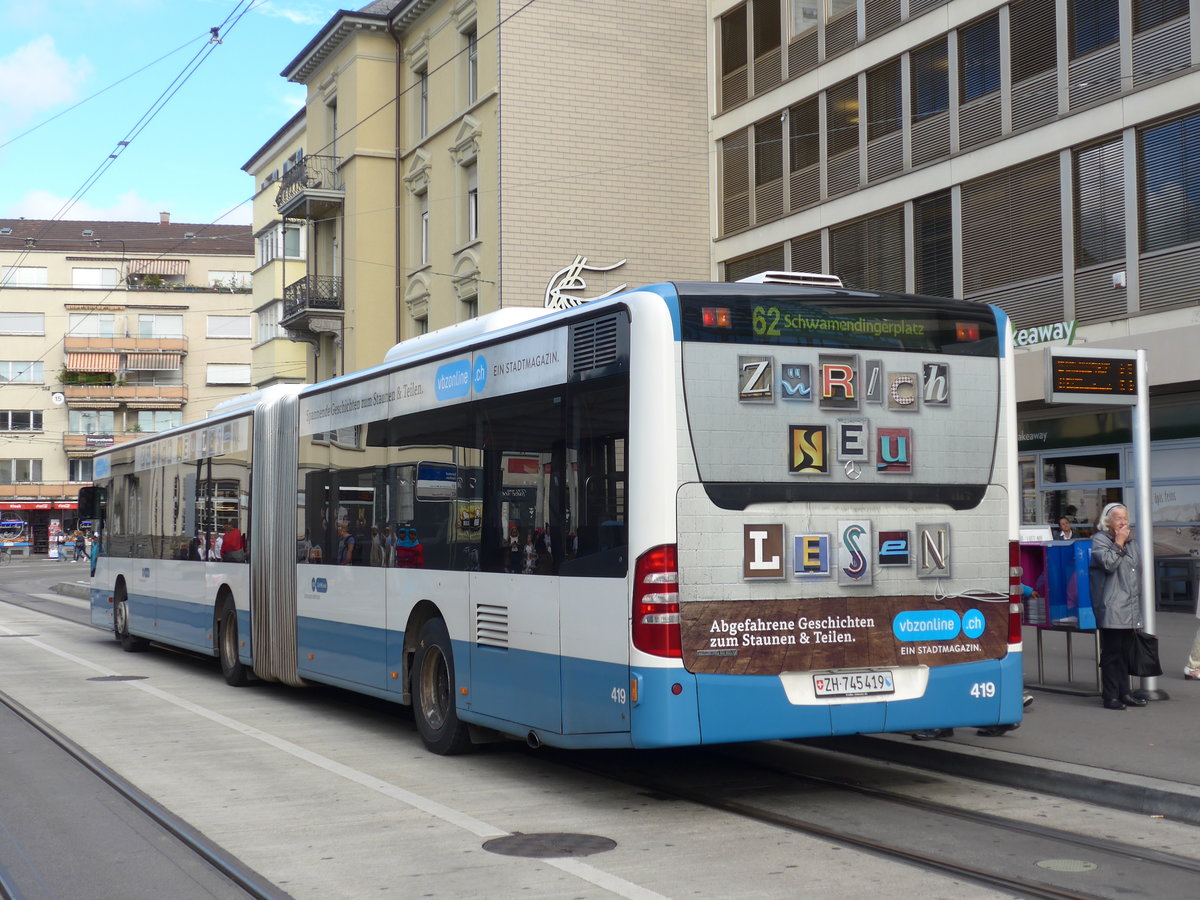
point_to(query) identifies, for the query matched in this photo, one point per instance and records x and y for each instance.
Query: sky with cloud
(79, 77)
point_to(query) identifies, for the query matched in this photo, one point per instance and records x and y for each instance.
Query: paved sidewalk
(1145, 760)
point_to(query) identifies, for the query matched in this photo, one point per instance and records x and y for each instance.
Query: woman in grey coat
(1116, 598)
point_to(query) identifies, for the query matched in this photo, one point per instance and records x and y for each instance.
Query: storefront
(25, 526)
(1073, 464)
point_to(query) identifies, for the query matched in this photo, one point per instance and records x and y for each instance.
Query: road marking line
(447, 814)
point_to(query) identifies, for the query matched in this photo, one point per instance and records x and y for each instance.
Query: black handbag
(1143, 655)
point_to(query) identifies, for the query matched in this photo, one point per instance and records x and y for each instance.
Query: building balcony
(311, 189)
(79, 443)
(313, 306)
(124, 344)
(162, 396)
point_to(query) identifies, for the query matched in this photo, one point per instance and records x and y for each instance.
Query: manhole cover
(1067, 865)
(119, 678)
(549, 845)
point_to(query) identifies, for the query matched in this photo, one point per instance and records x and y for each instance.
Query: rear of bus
(844, 516)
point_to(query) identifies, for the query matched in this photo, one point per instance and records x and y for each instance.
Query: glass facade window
(1170, 183)
(930, 80)
(20, 420)
(90, 421)
(1094, 24)
(1081, 467)
(20, 471)
(979, 59)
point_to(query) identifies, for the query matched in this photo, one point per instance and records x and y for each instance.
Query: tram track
(791, 787)
(242, 881)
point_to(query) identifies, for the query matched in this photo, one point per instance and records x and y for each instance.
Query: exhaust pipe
(533, 740)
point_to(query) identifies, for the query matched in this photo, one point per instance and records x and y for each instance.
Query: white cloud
(299, 13)
(128, 207)
(47, 79)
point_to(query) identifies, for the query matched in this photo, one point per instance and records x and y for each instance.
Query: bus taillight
(656, 603)
(717, 317)
(1015, 601)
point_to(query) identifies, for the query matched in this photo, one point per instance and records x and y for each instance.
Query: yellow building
(458, 156)
(109, 330)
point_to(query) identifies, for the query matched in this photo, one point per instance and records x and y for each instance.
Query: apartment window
(23, 276)
(268, 322)
(90, 421)
(20, 420)
(21, 372)
(1100, 203)
(93, 278)
(883, 100)
(422, 103)
(1170, 174)
(225, 373)
(1149, 13)
(151, 420)
(423, 233)
(1032, 38)
(421, 325)
(933, 245)
(869, 253)
(979, 59)
(22, 323)
(92, 325)
(930, 81)
(472, 39)
(159, 326)
(841, 112)
(20, 471)
(472, 212)
(79, 470)
(269, 244)
(470, 307)
(802, 17)
(1094, 24)
(228, 327)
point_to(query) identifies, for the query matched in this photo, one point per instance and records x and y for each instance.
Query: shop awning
(93, 362)
(158, 266)
(152, 362)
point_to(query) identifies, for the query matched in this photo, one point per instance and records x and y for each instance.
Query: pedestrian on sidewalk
(1192, 670)
(1116, 598)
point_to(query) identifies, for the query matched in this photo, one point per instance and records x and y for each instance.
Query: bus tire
(235, 673)
(433, 692)
(129, 643)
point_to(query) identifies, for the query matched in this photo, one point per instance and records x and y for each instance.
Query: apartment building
(1042, 155)
(458, 156)
(109, 330)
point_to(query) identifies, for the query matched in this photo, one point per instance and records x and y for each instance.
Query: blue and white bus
(685, 514)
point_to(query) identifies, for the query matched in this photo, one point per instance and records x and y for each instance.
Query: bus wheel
(433, 692)
(129, 643)
(227, 646)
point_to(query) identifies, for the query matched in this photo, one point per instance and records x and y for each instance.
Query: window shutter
(1099, 204)
(934, 245)
(769, 260)
(869, 253)
(735, 181)
(1011, 226)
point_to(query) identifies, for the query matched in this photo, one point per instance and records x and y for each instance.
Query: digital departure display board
(1097, 376)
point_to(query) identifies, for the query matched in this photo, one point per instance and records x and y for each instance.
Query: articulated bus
(684, 514)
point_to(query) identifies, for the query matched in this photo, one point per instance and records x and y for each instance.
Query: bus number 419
(982, 690)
